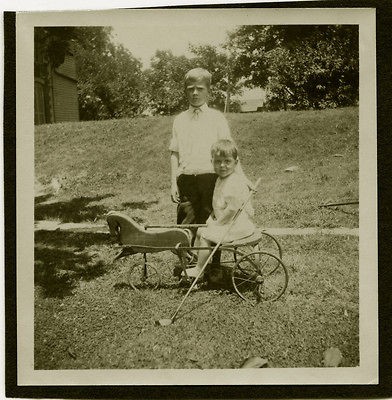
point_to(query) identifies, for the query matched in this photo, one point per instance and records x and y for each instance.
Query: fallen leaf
(255, 362)
(332, 357)
(291, 169)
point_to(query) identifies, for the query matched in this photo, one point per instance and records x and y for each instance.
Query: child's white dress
(230, 192)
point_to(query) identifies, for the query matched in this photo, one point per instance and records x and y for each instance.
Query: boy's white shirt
(192, 138)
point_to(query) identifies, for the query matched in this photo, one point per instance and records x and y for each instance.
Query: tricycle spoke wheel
(227, 256)
(144, 276)
(270, 244)
(259, 276)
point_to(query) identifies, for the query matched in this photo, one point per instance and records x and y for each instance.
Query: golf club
(182, 226)
(169, 321)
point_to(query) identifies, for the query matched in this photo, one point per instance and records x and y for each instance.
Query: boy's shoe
(215, 275)
(177, 271)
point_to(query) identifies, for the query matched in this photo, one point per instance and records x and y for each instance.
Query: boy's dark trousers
(196, 193)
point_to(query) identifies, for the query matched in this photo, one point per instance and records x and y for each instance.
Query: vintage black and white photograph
(192, 199)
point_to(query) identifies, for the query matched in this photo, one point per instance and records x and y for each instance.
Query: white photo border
(367, 372)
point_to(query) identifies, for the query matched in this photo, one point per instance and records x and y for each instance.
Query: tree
(305, 66)
(165, 82)
(224, 83)
(110, 82)
(52, 43)
(110, 79)
(165, 79)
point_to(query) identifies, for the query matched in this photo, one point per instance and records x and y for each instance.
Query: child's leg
(198, 237)
(203, 253)
(196, 243)
(202, 257)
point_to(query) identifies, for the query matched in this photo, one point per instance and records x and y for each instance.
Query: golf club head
(164, 322)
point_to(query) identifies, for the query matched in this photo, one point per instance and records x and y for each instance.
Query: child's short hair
(225, 148)
(198, 73)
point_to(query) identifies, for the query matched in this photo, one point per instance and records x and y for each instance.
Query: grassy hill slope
(86, 315)
(124, 165)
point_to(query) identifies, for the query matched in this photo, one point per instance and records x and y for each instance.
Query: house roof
(251, 105)
(68, 67)
(252, 99)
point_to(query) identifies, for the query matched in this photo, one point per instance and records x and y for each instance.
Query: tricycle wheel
(144, 276)
(269, 244)
(260, 276)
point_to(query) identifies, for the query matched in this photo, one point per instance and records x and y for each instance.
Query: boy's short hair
(196, 74)
(225, 148)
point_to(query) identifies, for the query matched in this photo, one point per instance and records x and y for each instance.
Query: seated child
(230, 192)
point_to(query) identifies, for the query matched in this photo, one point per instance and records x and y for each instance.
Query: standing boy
(194, 131)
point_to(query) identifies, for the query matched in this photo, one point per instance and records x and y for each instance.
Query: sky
(143, 42)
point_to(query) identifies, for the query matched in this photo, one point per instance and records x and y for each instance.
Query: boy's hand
(210, 220)
(174, 194)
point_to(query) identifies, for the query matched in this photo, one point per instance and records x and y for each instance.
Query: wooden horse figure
(136, 239)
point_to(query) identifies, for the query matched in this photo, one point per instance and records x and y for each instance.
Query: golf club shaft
(217, 246)
(183, 226)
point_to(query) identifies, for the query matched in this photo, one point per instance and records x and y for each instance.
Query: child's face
(224, 165)
(197, 92)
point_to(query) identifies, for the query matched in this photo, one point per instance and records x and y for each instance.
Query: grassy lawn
(86, 316)
(96, 321)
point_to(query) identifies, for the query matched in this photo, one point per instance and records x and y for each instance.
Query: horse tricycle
(254, 264)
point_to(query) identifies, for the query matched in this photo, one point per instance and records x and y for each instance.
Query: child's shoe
(193, 272)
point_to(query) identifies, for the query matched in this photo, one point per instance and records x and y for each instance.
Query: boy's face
(197, 92)
(224, 165)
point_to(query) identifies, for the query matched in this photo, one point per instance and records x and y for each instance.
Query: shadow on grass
(42, 198)
(140, 205)
(162, 285)
(195, 307)
(77, 240)
(75, 210)
(61, 259)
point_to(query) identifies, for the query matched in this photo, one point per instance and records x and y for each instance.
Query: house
(252, 99)
(55, 91)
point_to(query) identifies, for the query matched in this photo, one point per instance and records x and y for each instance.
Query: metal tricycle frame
(257, 273)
